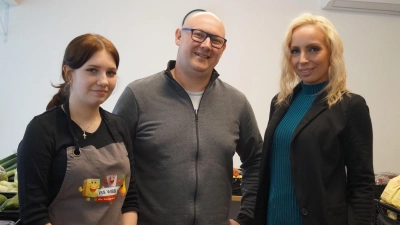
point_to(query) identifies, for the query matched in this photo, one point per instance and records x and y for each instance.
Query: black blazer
(331, 162)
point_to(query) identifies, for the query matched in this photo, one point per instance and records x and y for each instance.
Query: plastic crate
(380, 214)
(12, 215)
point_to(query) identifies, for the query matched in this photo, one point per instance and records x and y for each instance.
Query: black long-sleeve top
(42, 160)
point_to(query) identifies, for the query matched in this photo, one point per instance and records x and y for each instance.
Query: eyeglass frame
(207, 35)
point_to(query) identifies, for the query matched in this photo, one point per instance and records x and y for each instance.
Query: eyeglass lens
(200, 36)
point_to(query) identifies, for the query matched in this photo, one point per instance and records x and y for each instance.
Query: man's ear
(178, 35)
(223, 49)
(67, 73)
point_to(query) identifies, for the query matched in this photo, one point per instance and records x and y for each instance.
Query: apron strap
(77, 151)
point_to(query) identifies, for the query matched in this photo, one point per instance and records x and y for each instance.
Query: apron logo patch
(91, 188)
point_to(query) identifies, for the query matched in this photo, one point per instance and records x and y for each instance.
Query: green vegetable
(9, 163)
(12, 156)
(6, 186)
(12, 187)
(11, 204)
(3, 186)
(11, 168)
(2, 199)
(4, 183)
(16, 176)
(11, 173)
(6, 164)
(3, 174)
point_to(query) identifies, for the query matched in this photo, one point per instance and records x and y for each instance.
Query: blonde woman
(316, 166)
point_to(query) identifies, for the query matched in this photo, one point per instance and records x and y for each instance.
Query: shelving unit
(4, 8)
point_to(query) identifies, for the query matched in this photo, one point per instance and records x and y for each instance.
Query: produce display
(236, 183)
(10, 204)
(8, 183)
(391, 194)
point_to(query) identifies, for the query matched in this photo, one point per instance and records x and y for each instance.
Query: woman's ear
(67, 73)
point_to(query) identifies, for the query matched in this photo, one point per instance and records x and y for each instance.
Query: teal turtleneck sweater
(282, 205)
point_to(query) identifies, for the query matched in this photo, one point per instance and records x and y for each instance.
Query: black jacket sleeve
(131, 199)
(34, 162)
(359, 162)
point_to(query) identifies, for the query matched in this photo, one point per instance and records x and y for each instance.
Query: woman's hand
(129, 218)
(233, 222)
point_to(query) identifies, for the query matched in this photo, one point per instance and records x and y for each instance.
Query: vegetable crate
(380, 214)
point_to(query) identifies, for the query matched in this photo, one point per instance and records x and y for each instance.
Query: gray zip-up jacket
(183, 160)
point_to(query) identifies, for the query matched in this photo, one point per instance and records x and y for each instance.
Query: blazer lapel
(316, 108)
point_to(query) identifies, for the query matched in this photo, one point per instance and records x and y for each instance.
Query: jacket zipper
(197, 152)
(196, 169)
(197, 148)
(196, 115)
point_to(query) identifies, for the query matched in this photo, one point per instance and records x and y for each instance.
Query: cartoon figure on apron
(91, 188)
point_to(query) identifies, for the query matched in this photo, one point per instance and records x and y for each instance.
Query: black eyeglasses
(200, 36)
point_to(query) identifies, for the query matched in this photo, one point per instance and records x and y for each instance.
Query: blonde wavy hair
(336, 86)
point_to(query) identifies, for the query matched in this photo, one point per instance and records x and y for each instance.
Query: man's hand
(233, 222)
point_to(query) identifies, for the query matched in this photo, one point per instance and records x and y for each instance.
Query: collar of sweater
(312, 89)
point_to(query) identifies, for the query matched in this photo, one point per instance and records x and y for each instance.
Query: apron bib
(94, 188)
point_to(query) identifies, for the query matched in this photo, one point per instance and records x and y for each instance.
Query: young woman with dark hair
(75, 159)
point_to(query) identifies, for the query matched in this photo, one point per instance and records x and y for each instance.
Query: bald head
(199, 19)
(197, 58)
(189, 13)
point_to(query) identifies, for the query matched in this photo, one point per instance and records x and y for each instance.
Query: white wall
(143, 32)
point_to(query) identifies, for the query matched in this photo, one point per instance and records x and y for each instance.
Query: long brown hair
(77, 53)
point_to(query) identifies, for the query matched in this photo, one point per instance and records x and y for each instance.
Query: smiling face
(194, 57)
(310, 56)
(112, 180)
(94, 81)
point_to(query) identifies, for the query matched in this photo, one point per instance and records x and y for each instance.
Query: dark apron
(94, 187)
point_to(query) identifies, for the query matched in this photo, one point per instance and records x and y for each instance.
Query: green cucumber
(12, 156)
(9, 163)
(12, 167)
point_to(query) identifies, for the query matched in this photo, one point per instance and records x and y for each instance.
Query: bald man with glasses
(186, 125)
